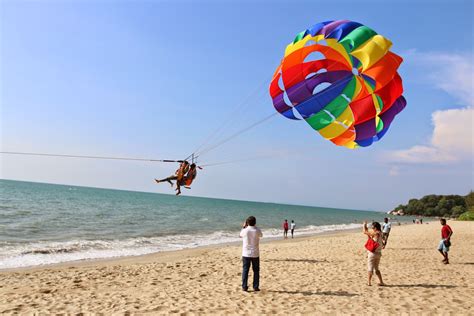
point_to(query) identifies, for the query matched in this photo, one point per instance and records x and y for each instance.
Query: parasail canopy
(341, 78)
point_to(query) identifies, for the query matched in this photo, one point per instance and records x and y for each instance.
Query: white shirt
(293, 225)
(250, 241)
(386, 227)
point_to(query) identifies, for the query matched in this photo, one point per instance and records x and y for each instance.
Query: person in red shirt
(285, 229)
(445, 243)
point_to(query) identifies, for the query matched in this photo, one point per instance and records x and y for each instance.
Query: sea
(44, 224)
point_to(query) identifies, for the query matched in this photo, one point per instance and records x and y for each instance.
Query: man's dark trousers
(256, 272)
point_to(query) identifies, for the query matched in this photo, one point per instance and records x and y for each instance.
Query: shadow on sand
(410, 248)
(296, 260)
(427, 286)
(468, 263)
(311, 293)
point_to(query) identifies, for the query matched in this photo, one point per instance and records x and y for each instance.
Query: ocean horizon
(43, 223)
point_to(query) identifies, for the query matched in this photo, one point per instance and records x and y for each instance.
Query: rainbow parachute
(350, 93)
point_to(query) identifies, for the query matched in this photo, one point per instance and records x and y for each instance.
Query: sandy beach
(320, 274)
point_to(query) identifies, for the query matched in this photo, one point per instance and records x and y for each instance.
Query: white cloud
(453, 129)
(452, 73)
(452, 138)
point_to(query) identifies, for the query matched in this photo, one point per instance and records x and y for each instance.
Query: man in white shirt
(292, 227)
(387, 226)
(250, 235)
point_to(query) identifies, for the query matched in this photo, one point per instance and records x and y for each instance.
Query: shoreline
(167, 255)
(266, 239)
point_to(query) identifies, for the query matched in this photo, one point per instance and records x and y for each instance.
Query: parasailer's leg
(167, 180)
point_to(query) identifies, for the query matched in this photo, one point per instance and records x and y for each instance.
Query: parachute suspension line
(243, 119)
(196, 153)
(231, 119)
(225, 140)
(235, 113)
(192, 157)
(87, 157)
(208, 149)
(236, 160)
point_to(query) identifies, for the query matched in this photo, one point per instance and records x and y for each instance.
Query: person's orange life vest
(190, 177)
(181, 172)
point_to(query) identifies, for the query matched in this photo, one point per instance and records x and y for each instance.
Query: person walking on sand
(445, 243)
(386, 227)
(373, 257)
(292, 227)
(250, 235)
(285, 229)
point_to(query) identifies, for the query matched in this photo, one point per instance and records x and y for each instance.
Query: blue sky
(154, 78)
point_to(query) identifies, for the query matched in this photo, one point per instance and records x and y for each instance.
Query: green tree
(429, 212)
(400, 207)
(467, 216)
(431, 200)
(469, 199)
(439, 205)
(444, 206)
(458, 210)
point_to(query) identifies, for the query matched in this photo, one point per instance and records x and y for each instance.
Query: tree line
(440, 205)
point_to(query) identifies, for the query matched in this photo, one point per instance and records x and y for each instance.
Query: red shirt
(446, 231)
(285, 225)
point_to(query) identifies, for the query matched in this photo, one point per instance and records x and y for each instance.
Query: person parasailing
(178, 175)
(187, 180)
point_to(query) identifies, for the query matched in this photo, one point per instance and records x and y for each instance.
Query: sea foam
(44, 253)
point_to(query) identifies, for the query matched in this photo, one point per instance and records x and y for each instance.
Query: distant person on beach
(250, 235)
(178, 175)
(292, 227)
(421, 220)
(445, 243)
(373, 258)
(285, 229)
(386, 227)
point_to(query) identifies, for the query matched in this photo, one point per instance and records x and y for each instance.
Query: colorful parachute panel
(341, 78)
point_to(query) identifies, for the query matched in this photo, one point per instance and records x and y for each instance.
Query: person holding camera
(374, 255)
(250, 235)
